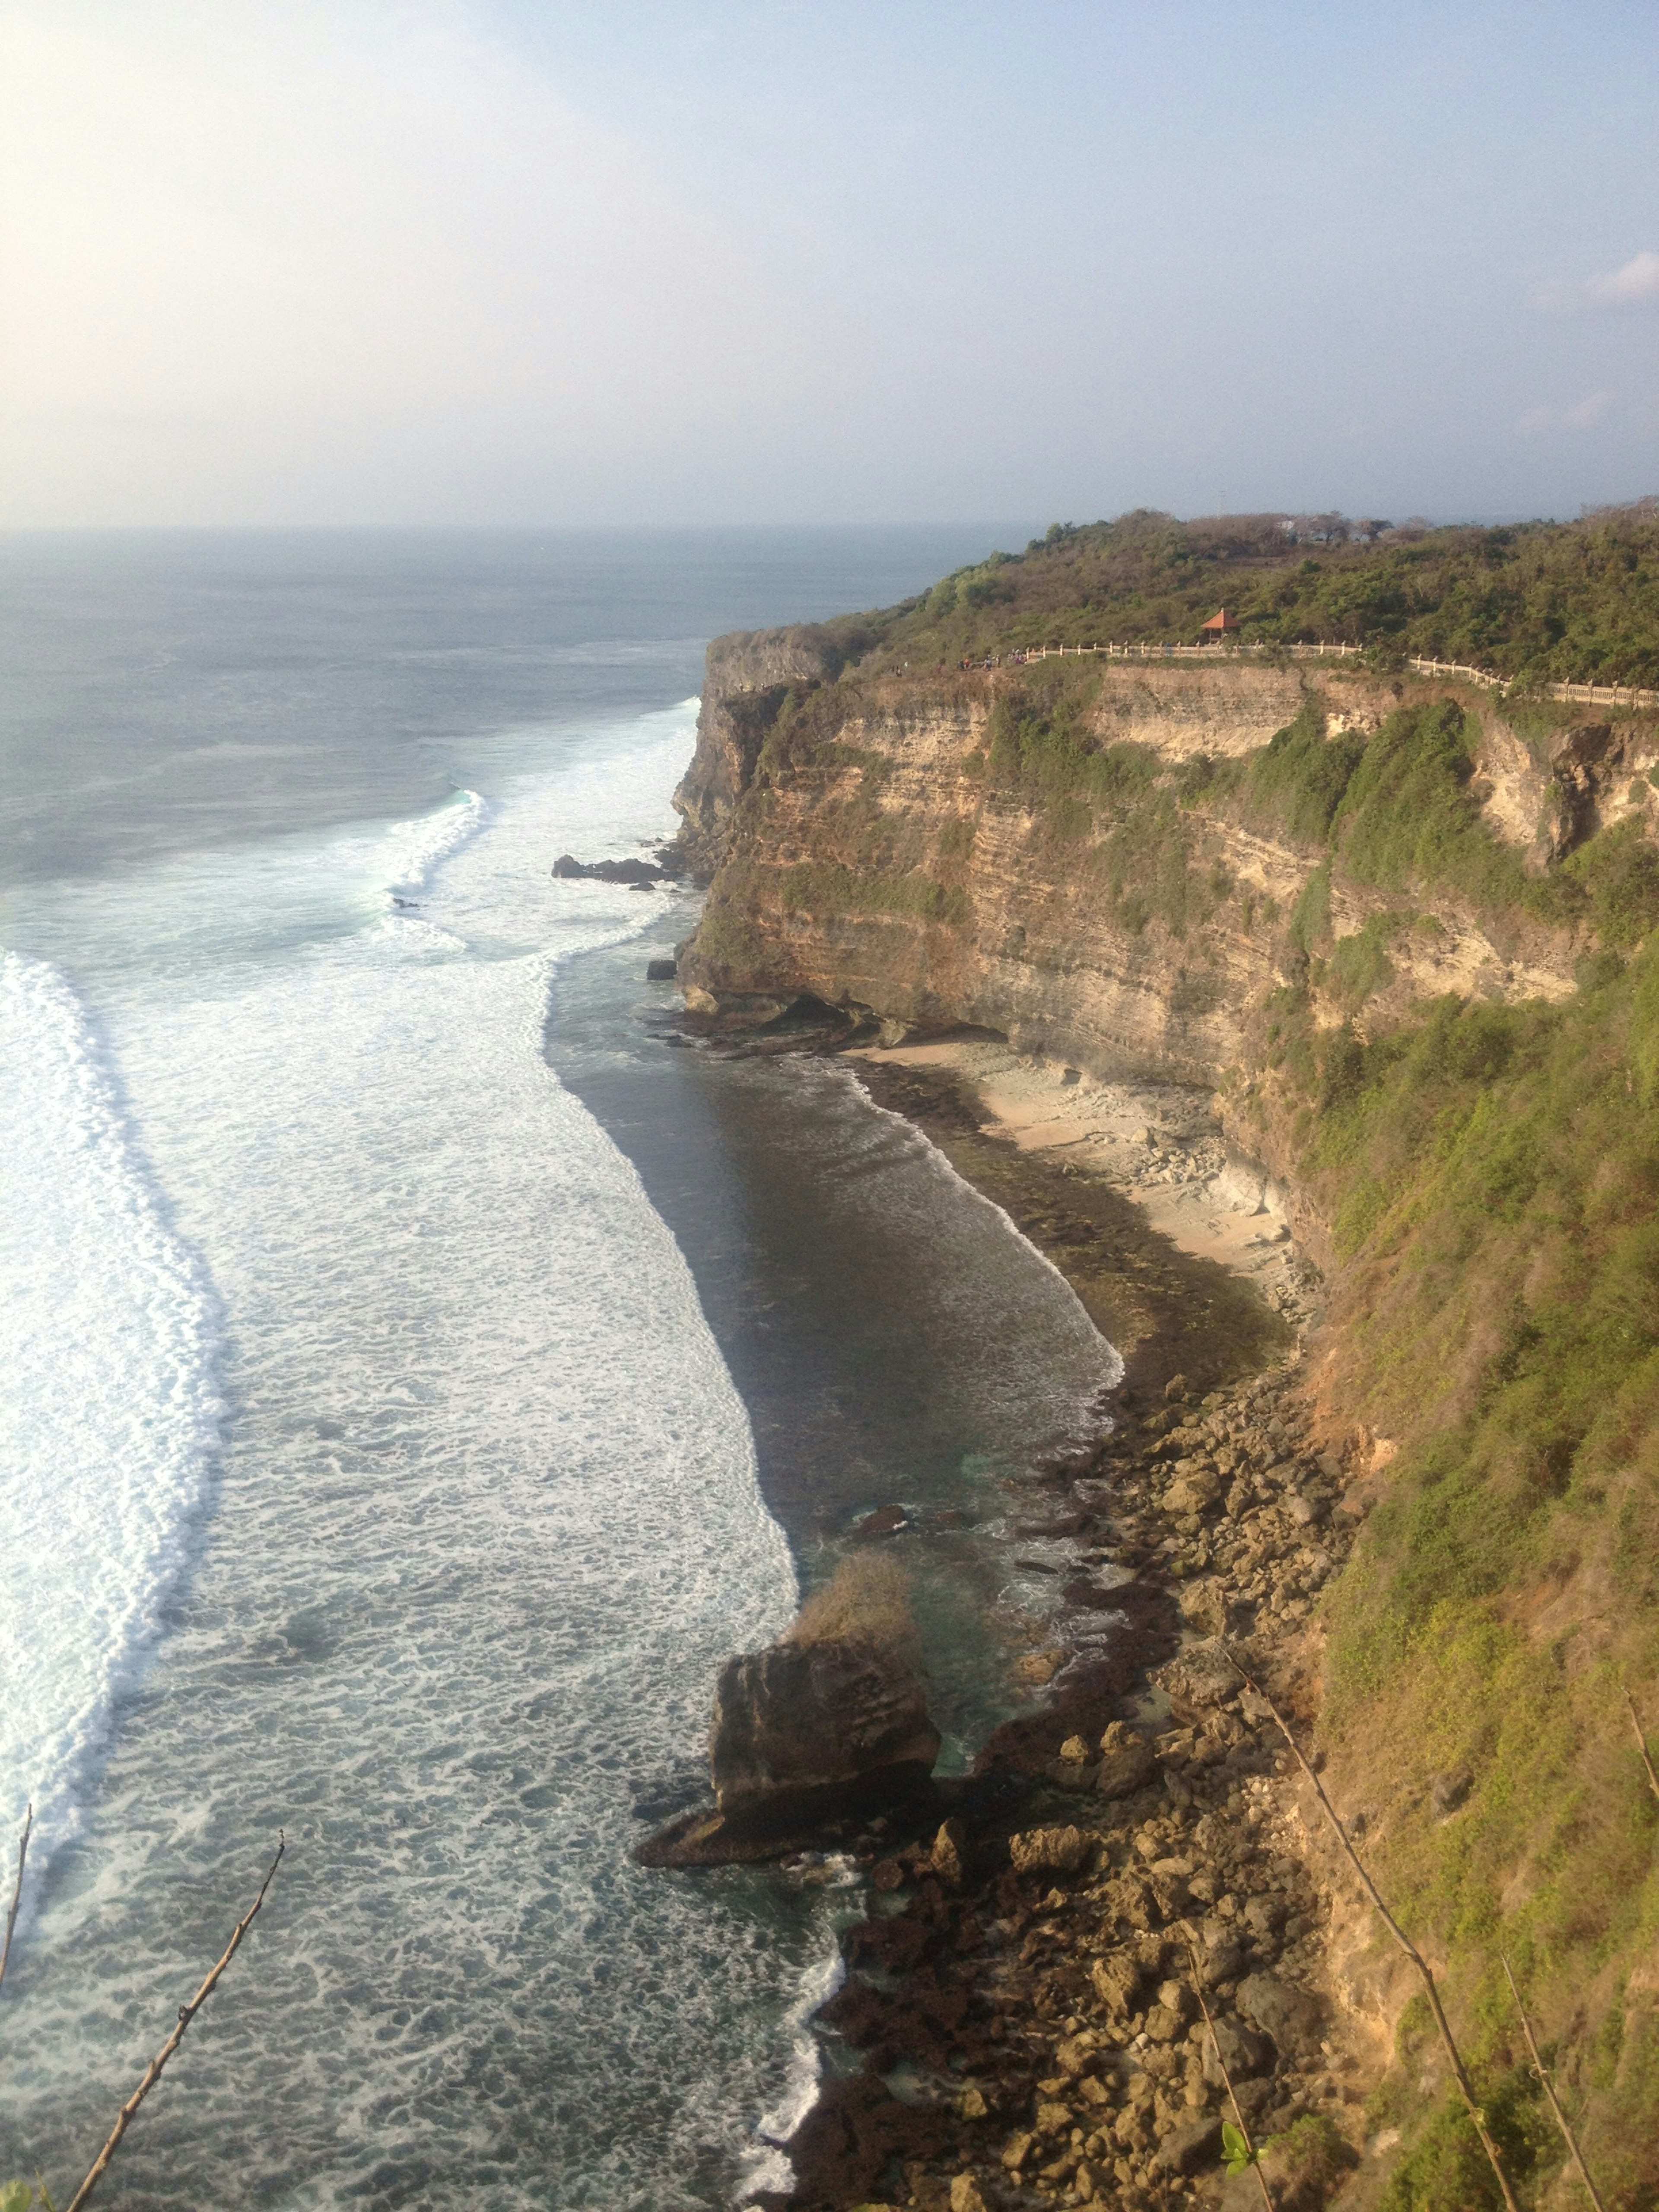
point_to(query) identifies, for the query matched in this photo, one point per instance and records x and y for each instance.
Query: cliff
(1074, 856)
(1404, 933)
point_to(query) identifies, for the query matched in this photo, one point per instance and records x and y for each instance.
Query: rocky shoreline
(1020, 2025)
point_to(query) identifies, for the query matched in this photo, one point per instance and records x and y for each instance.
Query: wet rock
(815, 1730)
(638, 873)
(1127, 1761)
(1049, 1851)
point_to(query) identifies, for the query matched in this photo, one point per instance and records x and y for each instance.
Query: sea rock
(569, 869)
(810, 1731)
(1049, 1851)
(661, 971)
(1127, 1761)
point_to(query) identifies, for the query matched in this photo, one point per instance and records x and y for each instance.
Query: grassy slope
(1493, 1176)
(1539, 601)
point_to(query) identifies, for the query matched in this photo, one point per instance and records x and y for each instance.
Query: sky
(579, 262)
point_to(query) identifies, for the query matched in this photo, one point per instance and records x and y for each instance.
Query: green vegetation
(1536, 601)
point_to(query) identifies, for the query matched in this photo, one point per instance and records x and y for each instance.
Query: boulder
(964, 2195)
(1190, 2147)
(1127, 1761)
(1116, 1977)
(1207, 1606)
(806, 1732)
(1290, 2015)
(1194, 1489)
(948, 1847)
(1242, 2052)
(1198, 1680)
(1049, 1851)
(661, 971)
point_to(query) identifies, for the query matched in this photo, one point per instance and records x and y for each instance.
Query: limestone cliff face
(745, 679)
(869, 854)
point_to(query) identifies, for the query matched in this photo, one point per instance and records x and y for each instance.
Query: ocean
(419, 1379)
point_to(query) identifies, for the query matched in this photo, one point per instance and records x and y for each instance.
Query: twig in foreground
(1641, 1743)
(1232, 2093)
(16, 1889)
(186, 2014)
(1561, 2120)
(1460, 2072)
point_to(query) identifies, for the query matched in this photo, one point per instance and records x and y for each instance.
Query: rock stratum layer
(867, 848)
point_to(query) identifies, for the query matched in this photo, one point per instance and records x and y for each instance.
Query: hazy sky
(502, 261)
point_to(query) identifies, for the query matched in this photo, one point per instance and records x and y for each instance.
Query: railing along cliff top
(1589, 694)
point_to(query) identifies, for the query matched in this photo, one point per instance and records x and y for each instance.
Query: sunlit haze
(559, 264)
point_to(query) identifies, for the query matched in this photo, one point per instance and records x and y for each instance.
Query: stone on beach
(1049, 1851)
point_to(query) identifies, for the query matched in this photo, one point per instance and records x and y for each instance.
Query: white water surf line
(110, 1419)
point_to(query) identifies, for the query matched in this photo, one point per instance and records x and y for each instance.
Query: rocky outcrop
(747, 675)
(804, 1733)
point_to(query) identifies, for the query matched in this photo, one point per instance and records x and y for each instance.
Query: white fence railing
(1588, 695)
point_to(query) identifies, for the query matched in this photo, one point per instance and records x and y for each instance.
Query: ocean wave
(109, 1428)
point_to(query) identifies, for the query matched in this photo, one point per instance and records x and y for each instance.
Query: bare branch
(186, 2014)
(1641, 1743)
(16, 1888)
(1561, 2120)
(1460, 2072)
(1232, 2093)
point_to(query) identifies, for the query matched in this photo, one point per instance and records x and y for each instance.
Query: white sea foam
(109, 1421)
(487, 1525)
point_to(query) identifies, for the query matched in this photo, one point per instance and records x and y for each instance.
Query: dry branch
(1561, 2120)
(1641, 1743)
(186, 2014)
(1460, 2072)
(1232, 2093)
(16, 1889)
